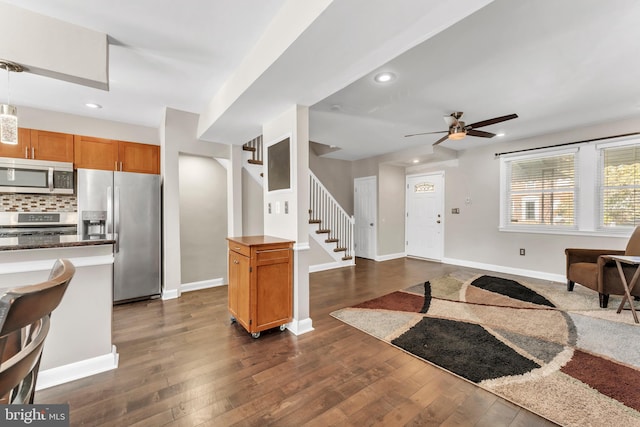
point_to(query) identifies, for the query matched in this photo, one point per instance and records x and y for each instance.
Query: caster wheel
(233, 319)
(256, 335)
(283, 327)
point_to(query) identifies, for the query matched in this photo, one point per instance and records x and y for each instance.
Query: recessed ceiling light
(416, 161)
(384, 77)
(500, 134)
(92, 105)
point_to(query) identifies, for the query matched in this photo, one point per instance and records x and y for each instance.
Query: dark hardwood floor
(183, 364)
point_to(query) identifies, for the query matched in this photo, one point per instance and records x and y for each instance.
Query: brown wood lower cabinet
(260, 282)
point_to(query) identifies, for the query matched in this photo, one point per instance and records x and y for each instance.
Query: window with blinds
(541, 191)
(620, 186)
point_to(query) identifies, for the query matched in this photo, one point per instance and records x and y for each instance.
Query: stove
(38, 227)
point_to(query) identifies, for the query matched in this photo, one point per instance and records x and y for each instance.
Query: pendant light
(8, 112)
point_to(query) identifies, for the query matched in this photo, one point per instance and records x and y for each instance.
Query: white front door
(425, 216)
(364, 213)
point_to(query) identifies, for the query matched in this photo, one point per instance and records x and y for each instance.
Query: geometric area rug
(553, 352)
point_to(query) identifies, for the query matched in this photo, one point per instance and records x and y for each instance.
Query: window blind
(620, 186)
(541, 191)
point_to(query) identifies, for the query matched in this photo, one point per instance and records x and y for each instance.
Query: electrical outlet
(522, 251)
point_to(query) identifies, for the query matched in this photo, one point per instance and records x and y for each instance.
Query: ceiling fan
(458, 129)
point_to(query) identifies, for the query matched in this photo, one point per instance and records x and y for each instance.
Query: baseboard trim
(75, 371)
(304, 246)
(170, 294)
(202, 284)
(329, 266)
(299, 327)
(390, 256)
(507, 270)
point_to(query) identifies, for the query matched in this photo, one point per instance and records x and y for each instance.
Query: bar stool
(24, 323)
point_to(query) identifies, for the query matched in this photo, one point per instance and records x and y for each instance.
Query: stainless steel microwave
(35, 176)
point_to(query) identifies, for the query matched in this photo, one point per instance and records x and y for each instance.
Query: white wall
(391, 210)
(178, 135)
(54, 121)
(294, 225)
(473, 236)
(203, 219)
(337, 177)
(252, 206)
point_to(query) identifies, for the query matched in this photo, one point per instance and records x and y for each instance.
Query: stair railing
(327, 212)
(255, 146)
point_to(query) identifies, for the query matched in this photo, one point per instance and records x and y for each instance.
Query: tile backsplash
(38, 203)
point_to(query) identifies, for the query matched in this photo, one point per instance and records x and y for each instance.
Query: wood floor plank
(184, 364)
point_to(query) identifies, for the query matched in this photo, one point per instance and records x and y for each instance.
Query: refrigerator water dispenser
(94, 223)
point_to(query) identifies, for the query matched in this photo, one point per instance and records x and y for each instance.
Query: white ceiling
(162, 53)
(557, 64)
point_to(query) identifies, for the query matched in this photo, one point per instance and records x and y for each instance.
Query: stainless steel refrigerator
(126, 205)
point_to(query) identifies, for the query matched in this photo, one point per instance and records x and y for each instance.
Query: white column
(234, 192)
(289, 215)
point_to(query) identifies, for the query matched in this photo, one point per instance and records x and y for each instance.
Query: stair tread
(339, 249)
(331, 240)
(322, 231)
(315, 221)
(247, 148)
(346, 258)
(255, 162)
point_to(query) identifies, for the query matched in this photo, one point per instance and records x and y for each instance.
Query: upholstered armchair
(593, 269)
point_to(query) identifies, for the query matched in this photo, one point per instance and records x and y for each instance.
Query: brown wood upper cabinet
(40, 145)
(108, 154)
(136, 157)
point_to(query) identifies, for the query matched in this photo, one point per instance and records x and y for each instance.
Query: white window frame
(505, 200)
(598, 192)
(589, 170)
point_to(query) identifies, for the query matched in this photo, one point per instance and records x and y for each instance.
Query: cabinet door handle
(33, 153)
(26, 152)
(115, 166)
(235, 261)
(120, 166)
(236, 249)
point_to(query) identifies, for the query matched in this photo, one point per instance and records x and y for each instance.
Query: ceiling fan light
(457, 132)
(8, 124)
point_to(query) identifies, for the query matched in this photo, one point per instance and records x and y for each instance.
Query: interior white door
(425, 216)
(364, 213)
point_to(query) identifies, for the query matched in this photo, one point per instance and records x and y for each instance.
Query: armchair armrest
(588, 255)
(575, 255)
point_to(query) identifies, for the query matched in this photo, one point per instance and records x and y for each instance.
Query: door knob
(371, 224)
(438, 221)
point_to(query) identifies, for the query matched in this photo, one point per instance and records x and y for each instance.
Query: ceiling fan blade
(491, 121)
(480, 133)
(426, 133)
(441, 140)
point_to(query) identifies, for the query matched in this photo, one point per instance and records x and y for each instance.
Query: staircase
(329, 225)
(255, 147)
(332, 221)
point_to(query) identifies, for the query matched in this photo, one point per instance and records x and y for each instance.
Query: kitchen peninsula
(79, 342)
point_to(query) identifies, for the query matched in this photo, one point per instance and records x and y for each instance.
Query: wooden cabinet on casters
(260, 282)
